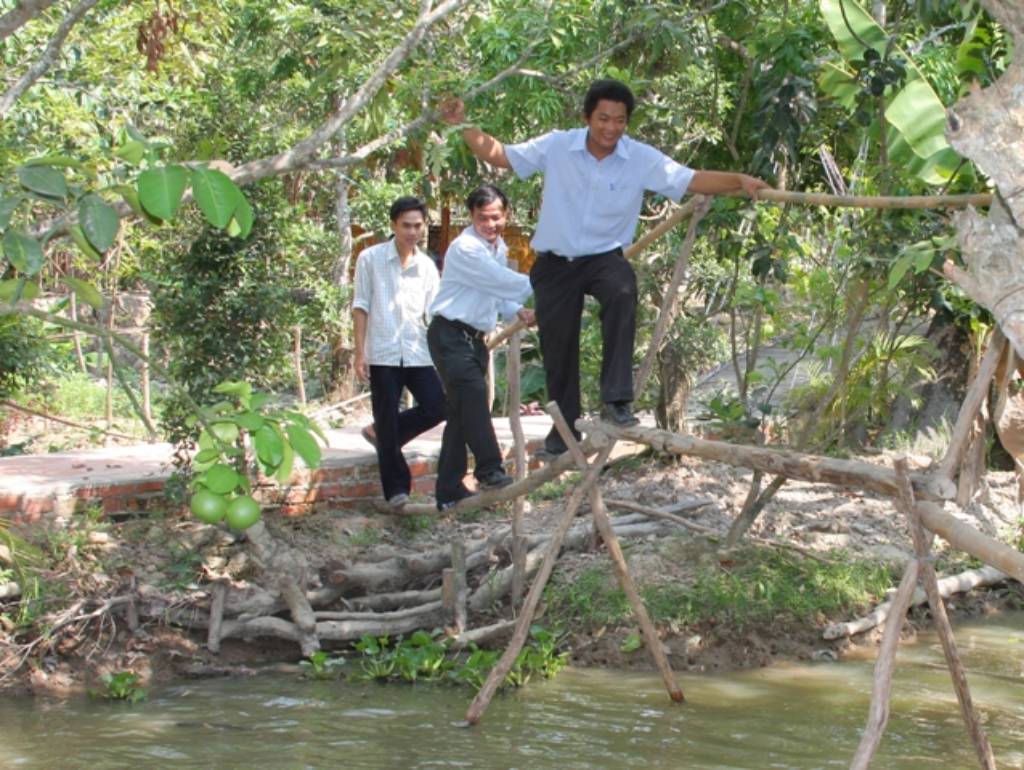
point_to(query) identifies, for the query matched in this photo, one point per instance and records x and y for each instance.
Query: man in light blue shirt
(475, 286)
(594, 182)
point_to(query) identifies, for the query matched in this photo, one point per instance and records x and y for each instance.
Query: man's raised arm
(484, 146)
(717, 182)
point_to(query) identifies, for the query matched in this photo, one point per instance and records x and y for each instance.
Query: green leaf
(99, 221)
(23, 251)
(83, 243)
(304, 443)
(131, 197)
(43, 180)
(85, 291)
(899, 269)
(216, 194)
(221, 479)
(207, 455)
(15, 289)
(63, 161)
(250, 421)
(284, 470)
(133, 152)
(243, 217)
(920, 117)
(632, 643)
(227, 432)
(7, 208)
(232, 388)
(160, 190)
(862, 23)
(259, 400)
(269, 446)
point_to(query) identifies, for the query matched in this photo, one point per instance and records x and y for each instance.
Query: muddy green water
(790, 716)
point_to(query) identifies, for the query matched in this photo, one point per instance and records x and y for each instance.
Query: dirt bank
(116, 585)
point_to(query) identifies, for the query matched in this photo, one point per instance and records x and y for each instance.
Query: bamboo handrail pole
(776, 461)
(504, 665)
(926, 570)
(872, 201)
(976, 394)
(604, 528)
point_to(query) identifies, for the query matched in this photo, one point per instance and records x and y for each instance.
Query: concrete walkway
(131, 478)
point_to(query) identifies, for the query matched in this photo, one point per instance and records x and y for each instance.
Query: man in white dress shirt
(395, 284)
(594, 182)
(475, 285)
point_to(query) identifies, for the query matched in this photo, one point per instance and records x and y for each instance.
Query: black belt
(617, 251)
(470, 330)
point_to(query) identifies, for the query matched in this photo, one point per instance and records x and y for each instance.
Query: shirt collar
(393, 253)
(579, 143)
(498, 244)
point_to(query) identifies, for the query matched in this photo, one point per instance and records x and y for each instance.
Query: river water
(787, 716)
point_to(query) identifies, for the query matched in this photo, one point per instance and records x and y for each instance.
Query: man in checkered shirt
(395, 284)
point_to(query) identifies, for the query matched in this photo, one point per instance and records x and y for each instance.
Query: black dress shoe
(619, 413)
(444, 505)
(495, 480)
(553, 447)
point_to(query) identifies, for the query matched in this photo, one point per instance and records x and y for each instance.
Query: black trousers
(460, 356)
(396, 429)
(559, 286)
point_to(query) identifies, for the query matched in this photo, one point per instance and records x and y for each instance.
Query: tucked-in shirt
(476, 283)
(397, 301)
(591, 206)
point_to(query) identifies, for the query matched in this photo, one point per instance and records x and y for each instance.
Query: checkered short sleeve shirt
(396, 301)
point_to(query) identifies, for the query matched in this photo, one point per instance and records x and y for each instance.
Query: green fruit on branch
(242, 512)
(208, 506)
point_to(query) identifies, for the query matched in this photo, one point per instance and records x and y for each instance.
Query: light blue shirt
(590, 206)
(476, 284)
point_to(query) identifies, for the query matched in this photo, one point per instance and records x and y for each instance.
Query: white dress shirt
(591, 206)
(476, 283)
(396, 301)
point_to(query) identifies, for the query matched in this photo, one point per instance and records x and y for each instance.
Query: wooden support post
(976, 394)
(926, 570)
(460, 588)
(448, 594)
(878, 713)
(218, 593)
(604, 528)
(515, 399)
(504, 665)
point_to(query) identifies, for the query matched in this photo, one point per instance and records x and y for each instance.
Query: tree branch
(22, 13)
(49, 57)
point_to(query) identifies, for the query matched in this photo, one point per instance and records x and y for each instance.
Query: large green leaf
(133, 152)
(243, 217)
(7, 208)
(23, 251)
(43, 180)
(915, 114)
(304, 444)
(160, 190)
(15, 289)
(216, 194)
(919, 116)
(85, 291)
(269, 446)
(78, 236)
(99, 221)
(221, 479)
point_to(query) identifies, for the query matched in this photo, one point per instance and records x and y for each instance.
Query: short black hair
(613, 91)
(408, 203)
(485, 195)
